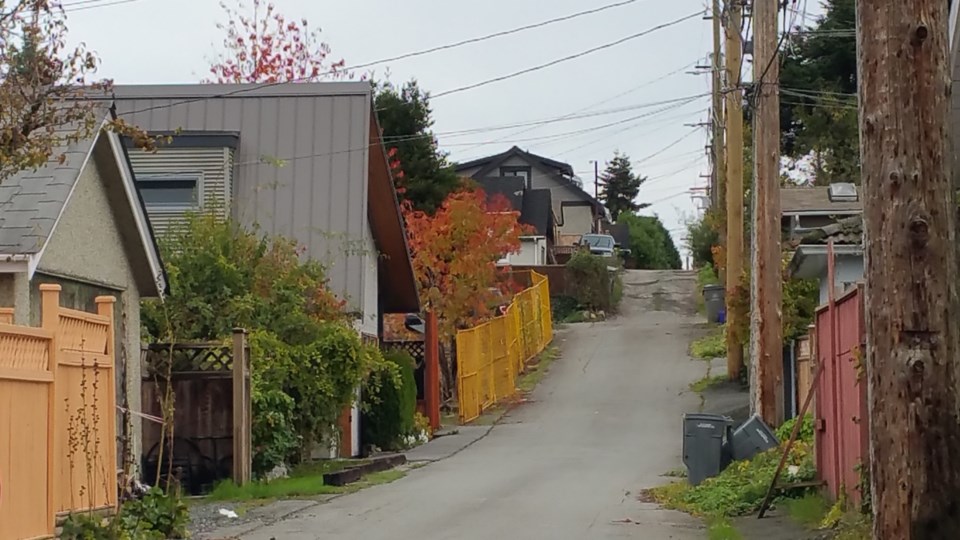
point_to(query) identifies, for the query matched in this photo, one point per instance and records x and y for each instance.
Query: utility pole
(766, 332)
(717, 193)
(911, 307)
(734, 184)
(596, 192)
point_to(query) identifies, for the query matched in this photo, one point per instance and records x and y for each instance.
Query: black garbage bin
(703, 445)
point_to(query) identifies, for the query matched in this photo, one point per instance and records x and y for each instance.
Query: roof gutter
(804, 251)
(15, 263)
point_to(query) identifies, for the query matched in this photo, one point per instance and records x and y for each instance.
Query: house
(577, 212)
(536, 212)
(810, 257)
(804, 209)
(302, 161)
(80, 223)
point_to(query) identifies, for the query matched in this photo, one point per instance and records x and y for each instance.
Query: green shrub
(589, 280)
(564, 308)
(806, 429)
(390, 402)
(164, 515)
(712, 345)
(275, 438)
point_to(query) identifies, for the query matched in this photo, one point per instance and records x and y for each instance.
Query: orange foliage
(268, 48)
(455, 252)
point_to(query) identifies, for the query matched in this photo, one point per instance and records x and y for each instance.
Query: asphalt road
(603, 425)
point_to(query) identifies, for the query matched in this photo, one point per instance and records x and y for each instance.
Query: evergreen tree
(651, 246)
(619, 186)
(406, 118)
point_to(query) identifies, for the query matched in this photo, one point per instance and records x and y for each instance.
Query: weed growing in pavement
(529, 380)
(721, 529)
(712, 345)
(707, 382)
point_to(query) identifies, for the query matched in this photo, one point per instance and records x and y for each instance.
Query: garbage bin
(751, 438)
(703, 452)
(713, 297)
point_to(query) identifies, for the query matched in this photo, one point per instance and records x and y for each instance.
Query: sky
(173, 41)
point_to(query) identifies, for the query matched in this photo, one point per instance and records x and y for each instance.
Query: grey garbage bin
(703, 452)
(752, 438)
(714, 299)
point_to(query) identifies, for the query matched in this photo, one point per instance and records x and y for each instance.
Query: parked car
(599, 244)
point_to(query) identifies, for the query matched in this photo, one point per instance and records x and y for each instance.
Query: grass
(814, 512)
(712, 345)
(529, 380)
(305, 481)
(720, 529)
(808, 510)
(707, 382)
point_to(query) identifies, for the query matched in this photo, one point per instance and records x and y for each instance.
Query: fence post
(50, 321)
(431, 372)
(105, 305)
(242, 458)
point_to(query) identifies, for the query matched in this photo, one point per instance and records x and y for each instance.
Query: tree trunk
(911, 305)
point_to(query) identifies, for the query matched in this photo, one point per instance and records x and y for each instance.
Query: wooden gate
(57, 421)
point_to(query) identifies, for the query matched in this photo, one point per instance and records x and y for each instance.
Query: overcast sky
(172, 41)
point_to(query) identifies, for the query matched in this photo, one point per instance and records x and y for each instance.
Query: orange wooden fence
(57, 416)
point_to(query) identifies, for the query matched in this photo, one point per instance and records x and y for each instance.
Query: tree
(41, 79)
(651, 246)
(266, 47)
(455, 252)
(405, 118)
(818, 110)
(619, 186)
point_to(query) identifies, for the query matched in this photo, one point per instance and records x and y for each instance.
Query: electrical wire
(430, 50)
(566, 58)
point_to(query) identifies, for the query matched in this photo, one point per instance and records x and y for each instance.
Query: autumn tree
(406, 118)
(619, 186)
(455, 254)
(41, 79)
(264, 46)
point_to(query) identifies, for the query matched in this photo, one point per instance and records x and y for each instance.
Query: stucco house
(577, 212)
(80, 223)
(536, 212)
(302, 161)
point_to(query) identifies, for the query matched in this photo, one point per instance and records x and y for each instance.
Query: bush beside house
(390, 402)
(307, 359)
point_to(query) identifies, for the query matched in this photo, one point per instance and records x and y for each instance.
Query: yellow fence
(57, 416)
(491, 355)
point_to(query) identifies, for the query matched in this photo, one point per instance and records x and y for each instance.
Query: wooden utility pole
(910, 218)
(717, 193)
(734, 183)
(766, 332)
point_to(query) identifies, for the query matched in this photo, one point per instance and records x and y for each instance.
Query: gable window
(523, 172)
(173, 191)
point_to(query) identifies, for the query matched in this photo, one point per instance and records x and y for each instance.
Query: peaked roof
(534, 205)
(796, 200)
(33, 201)
(490, 162)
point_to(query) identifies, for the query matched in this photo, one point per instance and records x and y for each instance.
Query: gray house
(576, 212)
(80, 223)
(303, 161)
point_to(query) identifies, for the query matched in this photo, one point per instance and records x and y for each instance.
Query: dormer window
(843, 192)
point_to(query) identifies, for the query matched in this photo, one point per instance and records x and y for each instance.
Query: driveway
(603, 425)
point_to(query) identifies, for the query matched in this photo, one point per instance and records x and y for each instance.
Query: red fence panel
(841, 404)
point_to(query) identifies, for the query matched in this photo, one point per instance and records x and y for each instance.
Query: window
(178, 191)
(523, 172)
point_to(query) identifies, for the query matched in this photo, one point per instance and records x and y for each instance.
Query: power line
(69, 8)
(566, 58)
(383, 60)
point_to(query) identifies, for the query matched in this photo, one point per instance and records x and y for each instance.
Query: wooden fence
(212, 412)
(57, 416)
(492, 354)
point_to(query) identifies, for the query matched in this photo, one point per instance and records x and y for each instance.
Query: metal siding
(319, 194)
(209, 162)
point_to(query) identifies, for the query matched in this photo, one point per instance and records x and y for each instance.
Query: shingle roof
(31, 201)
(516, 151)
(511, 187)
(814, 199)
(847, 231)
